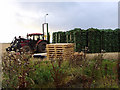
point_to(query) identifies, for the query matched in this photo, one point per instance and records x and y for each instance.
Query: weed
(16, 67)
(57, 72)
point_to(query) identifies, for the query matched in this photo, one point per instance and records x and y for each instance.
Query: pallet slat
(60, 50)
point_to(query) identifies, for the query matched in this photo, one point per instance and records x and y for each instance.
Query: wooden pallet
(60, 50)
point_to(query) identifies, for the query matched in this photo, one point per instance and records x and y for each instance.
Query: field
(109, 56)
(3, 46)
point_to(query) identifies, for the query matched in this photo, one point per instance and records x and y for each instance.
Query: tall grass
(16, 70)
(19, 71)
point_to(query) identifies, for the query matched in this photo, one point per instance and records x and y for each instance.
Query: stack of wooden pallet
(60, 50)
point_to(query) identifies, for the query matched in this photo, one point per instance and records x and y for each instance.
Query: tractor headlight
(12, 49)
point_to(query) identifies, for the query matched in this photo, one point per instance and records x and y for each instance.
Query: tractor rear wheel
(42, 47)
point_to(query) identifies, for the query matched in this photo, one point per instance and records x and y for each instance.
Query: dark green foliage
(95, 39)
(55, 37)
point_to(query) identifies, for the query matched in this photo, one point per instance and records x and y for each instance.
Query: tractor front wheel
(42, 47)
(27, 49)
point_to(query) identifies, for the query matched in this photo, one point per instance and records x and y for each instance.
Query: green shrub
(95, 39)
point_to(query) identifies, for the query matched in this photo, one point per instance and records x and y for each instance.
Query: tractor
(34, 42)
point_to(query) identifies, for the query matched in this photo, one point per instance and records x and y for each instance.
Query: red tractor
(35, 42)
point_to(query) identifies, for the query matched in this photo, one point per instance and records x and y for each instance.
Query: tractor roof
(34, 34)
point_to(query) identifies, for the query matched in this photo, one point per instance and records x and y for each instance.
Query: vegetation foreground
(21, 71)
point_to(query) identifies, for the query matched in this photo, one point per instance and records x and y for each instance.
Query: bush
(95, 39)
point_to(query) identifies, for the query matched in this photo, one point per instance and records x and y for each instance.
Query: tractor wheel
(8, 49)
(42, 47)
(27, 49)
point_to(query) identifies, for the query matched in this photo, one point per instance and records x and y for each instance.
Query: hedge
(95, 39)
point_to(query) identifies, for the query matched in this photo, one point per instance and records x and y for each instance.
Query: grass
(20, 72)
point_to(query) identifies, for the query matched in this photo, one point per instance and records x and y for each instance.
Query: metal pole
(43, 30)
(43, 26)
(47, 33)
(45, 17)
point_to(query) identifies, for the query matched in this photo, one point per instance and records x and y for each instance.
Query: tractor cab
(37, 42)
(35, 36)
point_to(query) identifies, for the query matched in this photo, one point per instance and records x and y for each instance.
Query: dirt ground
(109, 56)
(3, 47)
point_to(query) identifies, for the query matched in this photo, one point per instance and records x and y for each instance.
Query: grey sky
(68, 15)
(20, 18)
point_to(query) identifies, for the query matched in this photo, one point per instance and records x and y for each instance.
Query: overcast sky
(20, 18)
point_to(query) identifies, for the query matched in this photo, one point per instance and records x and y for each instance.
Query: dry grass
(3, 46)
(109, 56)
